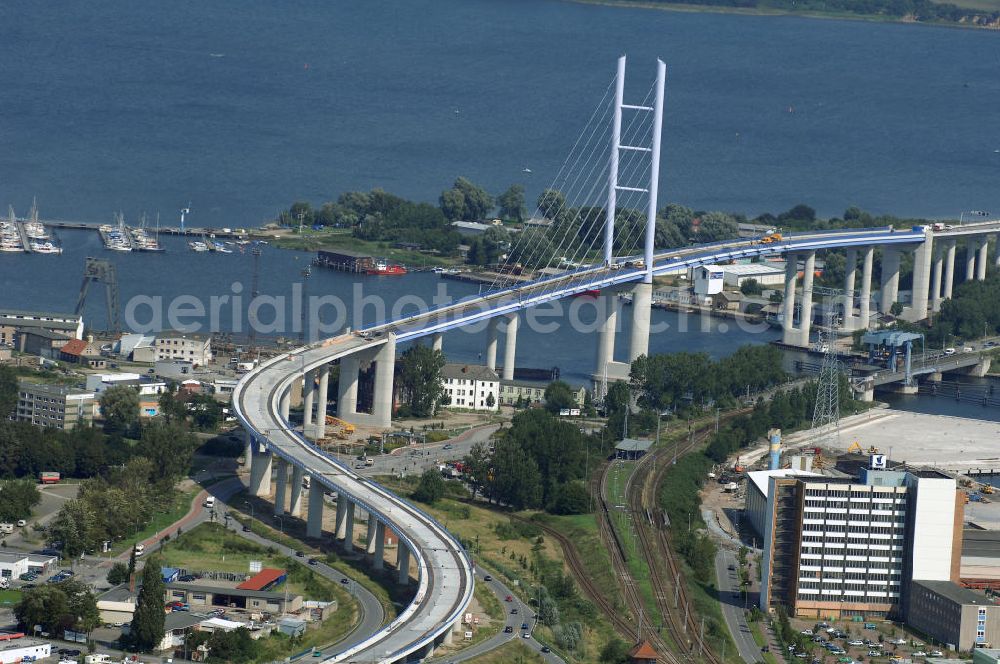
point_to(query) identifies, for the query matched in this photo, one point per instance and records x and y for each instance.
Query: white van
(139, 548)
(6, 528)
(98, 659)
(210, 502)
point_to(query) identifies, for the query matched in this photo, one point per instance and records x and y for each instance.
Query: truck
(49, 477)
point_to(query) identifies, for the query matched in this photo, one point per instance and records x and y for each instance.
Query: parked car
(806, 632)
(949, 351)
(855, 642)
(513, 611)
(919, 653)
(936, 653)
(313, 561)
(509, 629)
(508, 598)
(524, 625)
(874, 653)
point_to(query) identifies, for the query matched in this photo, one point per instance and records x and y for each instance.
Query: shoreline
(772, 12)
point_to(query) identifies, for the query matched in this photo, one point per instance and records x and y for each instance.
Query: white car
(21, 523)
(968, 349)
(919, 653)
(949, 351)
(806, 632)
(937, 653)
(898, 642)
(856, 642)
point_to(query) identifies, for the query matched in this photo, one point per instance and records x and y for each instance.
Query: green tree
(615, 652)
(511, 203)
(420, 379)
(17, 497)
(73, 529)
(551, 203)
(559, 395)
(717, 226)
(431, 487)
(896, 309)
(118, 573)
(172, 405)
(169, 447)
(571, 498)
(120, 408)
(8, 391)
(148, 621)
(466, 200)
(43, 605)
(750, 287)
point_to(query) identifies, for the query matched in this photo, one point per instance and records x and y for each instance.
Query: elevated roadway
(444, 571)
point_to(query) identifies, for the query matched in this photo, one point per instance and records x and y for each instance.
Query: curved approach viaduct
(444, 571)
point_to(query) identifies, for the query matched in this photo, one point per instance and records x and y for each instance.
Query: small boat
(525, 170)
(45, 248)
(382, 267)
(198, 245)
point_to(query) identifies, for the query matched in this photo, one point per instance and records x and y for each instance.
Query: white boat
(198, 245)
(45, 248)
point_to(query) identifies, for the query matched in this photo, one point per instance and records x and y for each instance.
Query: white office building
(193, 348)
(844, 547)
(470, 386)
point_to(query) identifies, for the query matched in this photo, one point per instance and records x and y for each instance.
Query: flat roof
(180, 620)
(955, 592)
(222, 590)
(17, 644)
(52, 389)
(745, 269)
(981, 543)
(633, 445)
(760, 478)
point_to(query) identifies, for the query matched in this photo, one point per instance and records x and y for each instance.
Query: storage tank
(774, 436)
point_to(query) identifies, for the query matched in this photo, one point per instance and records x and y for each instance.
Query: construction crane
(99, 270)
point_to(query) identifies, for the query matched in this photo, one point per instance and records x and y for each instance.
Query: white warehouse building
(765, 274)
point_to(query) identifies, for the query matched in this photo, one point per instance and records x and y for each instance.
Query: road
(415, 459)
(731, 602)
(514, 620)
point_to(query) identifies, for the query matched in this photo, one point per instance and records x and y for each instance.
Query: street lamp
(978, 213)
(281, 523)
(250, 505)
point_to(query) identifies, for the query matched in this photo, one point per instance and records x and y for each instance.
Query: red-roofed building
(266, 578)
(643, 653)
(82, 351)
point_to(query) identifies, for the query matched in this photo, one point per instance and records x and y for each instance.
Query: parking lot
(846, 642)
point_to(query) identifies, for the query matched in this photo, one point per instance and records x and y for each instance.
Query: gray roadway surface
(515, 620)
(731, 602)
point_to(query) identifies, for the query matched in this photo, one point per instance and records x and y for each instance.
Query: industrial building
(532, 392)
(945, 611)
(200, 596)
(471, 386)
(766, 275)
(54, 406)
(193, 348)
(844, 547)
(23, 649)
(344, 260)
(70, 325)
(13, 564)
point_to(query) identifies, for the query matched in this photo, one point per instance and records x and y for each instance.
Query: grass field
(9, 597)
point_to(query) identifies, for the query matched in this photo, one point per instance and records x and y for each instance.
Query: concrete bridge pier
(921, 279)
(949, 268)
(865, 305)
(347, 387)
(260, 471)
(607, 313)
(788, 311)
(642, 304)
(510, 345)
(370, 536)
(322, 399)
(984, 247)
(403, 563)
(308, 398)
(996, 259)
(491, 344)
(247, 450)
(850, 276)
(970, 259)
(385, 367)
(341, 526)
(314, 522)
(936, 282)
(295, 500)
(280, 487)
(348, 527)
(806, 313)
(890, 279)
(378, 561)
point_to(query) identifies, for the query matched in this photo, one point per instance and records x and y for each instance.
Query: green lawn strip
(9, 597)
(178, 510)
(581, 529)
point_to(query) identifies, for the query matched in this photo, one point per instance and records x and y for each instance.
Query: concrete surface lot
(917, 438)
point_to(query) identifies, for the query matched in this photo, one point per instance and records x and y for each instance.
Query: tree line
(539, 462)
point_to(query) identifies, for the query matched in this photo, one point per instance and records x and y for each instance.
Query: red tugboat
(382, 267)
